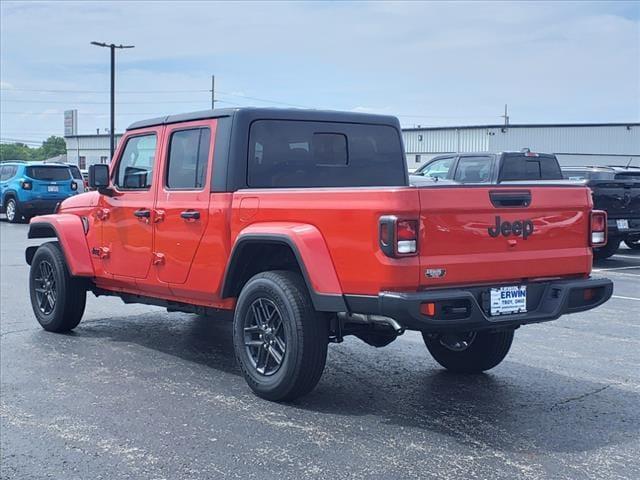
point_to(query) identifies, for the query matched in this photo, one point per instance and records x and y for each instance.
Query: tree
(14, 151)
(51, 147)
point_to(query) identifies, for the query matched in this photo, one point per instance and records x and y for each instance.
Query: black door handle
(190, 215)
(142, 213)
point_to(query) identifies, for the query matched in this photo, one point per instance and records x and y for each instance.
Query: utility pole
(506, 119)
(112, 47)
(213, 91)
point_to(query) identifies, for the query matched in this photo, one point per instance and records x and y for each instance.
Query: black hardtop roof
(249, 114)
(608, 168)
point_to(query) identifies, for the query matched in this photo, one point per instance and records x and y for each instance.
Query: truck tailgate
(494, 234)
(620, 198)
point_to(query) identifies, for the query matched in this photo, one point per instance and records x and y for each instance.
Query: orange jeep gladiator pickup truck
(304, 225)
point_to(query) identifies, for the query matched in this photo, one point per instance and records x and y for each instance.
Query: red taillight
(407, 237)
(398, 238)
(598, 234)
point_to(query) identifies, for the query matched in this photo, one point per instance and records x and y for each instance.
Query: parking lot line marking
(609, 272)
(628, 256)
(625, 298)
(615, 268)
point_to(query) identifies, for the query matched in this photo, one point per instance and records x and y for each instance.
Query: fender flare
(69, 231)
(10, 192)
(311, 252)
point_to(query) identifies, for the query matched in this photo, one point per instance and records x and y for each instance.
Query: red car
(303, 223)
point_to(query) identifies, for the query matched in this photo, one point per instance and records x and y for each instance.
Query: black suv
(615, 189)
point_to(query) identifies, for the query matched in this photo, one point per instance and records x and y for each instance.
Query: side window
(439, 168)
(135, 170)
(188, 158)
(7, 172)
(291, 153)
(473, 170)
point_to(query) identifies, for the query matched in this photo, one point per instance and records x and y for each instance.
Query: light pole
(113, 47)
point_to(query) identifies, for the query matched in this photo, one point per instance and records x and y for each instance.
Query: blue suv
(33, 188)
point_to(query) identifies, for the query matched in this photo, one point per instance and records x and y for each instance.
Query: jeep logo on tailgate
(519, 227)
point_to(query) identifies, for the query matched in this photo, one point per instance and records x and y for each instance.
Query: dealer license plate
(52, 188)
(508, 300)
(622, 224)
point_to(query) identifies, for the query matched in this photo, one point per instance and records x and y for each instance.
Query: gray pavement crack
(580, 397)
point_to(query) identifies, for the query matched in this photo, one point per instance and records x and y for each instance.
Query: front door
(182, 204)
(127, 227)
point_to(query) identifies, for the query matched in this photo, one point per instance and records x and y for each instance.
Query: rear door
(502, 234)
(182, 204)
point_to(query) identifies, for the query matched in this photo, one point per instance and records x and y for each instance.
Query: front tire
(611, 247)
(473, 352)
(280, 341)
(58, 299)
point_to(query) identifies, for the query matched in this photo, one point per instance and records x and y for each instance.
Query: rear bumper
(40, 206)
(614, 231)
(467, 309)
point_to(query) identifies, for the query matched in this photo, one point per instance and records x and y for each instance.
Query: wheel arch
(69, 231)
(256, 251)
(11, 193)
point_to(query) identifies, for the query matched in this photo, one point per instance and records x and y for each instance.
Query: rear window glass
(521, 167)
(287, 153)
(48, 173)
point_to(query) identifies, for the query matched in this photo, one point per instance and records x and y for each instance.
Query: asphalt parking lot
(136, 392)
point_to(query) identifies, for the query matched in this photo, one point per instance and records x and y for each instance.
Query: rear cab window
(290, 153)
(521, 167)
(633, 176)
(48, 173)
(474, 169)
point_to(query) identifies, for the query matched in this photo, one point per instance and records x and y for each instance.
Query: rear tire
(275, 319)
(58, 299)
(633, 243)
(12, 211)
(485, 351)
(611, 247)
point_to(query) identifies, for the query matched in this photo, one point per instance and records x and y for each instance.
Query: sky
(429, 63)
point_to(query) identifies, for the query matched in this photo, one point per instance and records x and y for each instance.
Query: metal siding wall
(445, 141)
(590, 145)
(579, 140)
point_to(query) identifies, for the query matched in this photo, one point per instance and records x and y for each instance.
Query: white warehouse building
(85, 150)
(573, 144)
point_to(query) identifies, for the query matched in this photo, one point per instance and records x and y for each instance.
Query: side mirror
(99, 176)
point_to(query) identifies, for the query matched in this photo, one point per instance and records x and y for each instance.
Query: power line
(100, 91)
